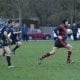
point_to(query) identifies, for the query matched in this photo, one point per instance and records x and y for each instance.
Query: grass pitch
(52, 68)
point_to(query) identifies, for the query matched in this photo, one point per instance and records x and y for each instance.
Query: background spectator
(75, 30)
(24, 32)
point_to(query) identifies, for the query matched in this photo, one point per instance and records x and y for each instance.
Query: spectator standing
(75, 30)
(24, 32)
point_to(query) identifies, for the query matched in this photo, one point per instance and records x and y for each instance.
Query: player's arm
(6, 36)
(18, 32)
(56, 30)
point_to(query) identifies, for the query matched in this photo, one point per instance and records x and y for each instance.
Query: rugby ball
(69, 31)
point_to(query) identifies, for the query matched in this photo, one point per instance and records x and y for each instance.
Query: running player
(15, 36)
(6, 41)
(60, 43)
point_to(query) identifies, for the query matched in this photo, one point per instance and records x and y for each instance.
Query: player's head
(65, 21)
(11, 23)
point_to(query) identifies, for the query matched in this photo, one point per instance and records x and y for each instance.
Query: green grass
(52, 68)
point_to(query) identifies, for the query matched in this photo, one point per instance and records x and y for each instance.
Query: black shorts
(59, 44)
(14, 41)
(5, 44)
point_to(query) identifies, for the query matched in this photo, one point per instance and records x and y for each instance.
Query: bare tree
(47, 11)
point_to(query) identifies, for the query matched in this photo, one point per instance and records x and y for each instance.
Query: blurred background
(41, 15)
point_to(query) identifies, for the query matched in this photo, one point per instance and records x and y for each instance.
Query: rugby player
(6, 41)
(60, 42)
(15, 37)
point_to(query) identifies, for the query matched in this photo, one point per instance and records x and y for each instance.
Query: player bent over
(60, 42)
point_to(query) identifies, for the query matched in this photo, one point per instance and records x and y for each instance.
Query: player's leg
(52, 52)
(69, 48)
(57, 45)
(8, 57)
(18, 44)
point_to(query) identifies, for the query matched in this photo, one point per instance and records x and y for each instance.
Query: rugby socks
(46, 55)
(8, 58)
(69, 55)
(15, 47)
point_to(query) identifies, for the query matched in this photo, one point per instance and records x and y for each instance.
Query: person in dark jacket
(75, 30)
(24, 32)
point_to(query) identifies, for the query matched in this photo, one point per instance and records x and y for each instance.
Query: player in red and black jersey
(60, 42)
(62, 35)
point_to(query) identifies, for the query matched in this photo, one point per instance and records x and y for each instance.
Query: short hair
(63, 21)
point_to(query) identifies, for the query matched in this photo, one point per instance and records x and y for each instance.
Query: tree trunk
(20, 16)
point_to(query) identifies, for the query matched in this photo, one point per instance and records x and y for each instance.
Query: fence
(47, 29)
